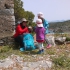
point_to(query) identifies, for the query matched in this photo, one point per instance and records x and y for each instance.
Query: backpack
(28, 41)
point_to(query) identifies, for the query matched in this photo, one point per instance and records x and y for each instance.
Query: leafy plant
(67, 38)
(61, 62)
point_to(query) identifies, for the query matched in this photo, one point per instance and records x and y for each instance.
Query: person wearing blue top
(45, 24)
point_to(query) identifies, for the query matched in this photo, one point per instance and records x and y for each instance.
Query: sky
(53, 10)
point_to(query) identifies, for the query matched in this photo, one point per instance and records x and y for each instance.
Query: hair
(22, 25)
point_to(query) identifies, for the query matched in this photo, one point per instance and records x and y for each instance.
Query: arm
(46, 25)
(30, 29)
(20, 30)
(35, 30)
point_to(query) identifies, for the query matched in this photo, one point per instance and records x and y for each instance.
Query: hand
(30, 29)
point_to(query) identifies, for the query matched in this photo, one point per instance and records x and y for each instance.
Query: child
(46, 26)
(40, 35)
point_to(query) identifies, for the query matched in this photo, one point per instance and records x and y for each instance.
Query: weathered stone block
(6, 4)
(6, 41)
(8, 12)
(6, 29)
(10, 1)
(9, 6)
(7, 18)
(2, 2)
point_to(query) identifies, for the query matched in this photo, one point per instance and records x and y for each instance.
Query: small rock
(37, 68)
(25, 68)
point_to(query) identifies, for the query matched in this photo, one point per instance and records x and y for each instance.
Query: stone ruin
(7, 19)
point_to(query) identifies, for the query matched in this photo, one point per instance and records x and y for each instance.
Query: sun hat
(40, 14)
(24, 20)
(39, 23)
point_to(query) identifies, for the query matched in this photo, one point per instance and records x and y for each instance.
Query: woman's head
(24, 22)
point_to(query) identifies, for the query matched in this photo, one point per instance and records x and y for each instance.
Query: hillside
(59, 27)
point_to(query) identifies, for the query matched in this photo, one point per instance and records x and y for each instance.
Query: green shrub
(61, 62)
(67, 38)
(4, 49)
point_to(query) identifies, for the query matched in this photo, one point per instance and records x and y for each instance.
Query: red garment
(40, 41)
(20, 30)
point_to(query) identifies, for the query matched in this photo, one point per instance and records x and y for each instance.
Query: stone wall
(7, 19)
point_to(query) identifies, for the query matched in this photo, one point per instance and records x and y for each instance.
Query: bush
(62, 62)
(67, 38)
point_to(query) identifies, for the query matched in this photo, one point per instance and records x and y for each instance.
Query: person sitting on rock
(20, 30)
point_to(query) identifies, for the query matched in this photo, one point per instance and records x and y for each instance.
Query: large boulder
(50, 39)
(60, 40)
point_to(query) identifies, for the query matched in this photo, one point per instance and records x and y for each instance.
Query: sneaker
(40, 51)
(21, 49)
(48, 46)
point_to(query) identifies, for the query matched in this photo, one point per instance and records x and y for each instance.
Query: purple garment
(40, 33)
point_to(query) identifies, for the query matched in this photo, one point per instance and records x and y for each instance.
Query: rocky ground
(55, 58)
(32, 61)
(15, 62)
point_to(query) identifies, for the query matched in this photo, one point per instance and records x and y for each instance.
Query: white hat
(39, 23)
(40, 14)
(24, 20)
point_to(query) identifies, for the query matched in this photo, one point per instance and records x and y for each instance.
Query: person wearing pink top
(40, 35)
(46, 26)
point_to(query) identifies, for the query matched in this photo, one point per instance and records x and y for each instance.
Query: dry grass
(60, 55)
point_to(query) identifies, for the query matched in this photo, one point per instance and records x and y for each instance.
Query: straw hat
(23, 20)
